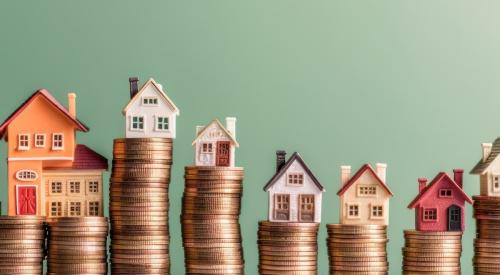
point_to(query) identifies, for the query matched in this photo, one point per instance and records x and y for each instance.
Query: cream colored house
(364, 197)
(488, 169)
(215, 144)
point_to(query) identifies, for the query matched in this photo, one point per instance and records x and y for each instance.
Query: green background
(411, 83)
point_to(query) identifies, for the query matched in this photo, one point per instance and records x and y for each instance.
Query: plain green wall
(411, 83)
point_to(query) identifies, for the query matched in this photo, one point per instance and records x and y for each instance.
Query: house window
(353, 211)
(26, 175)
(496, 183)
(137, 123)
(23, 142)
(282, 207)
(93, 186)
(56, 209)
(445, 193)
(57, 141)
(74, 187)
(367, 190)
(56, 187)
(377, 211)
(40, 140)
(93, 209)
(75, 208)
(295, 178)
(430, 214)
(207, 148)
(151, 101)
(162, 124)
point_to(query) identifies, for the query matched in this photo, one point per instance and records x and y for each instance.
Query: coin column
(139, 206)
(210, 220)
(22, 245)
(486, 244)
(77, 245)
(357, 249)
(288, 248)
(432, 252)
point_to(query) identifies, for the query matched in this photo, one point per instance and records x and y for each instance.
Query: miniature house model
(294, 192)
(48, 173)
(215, 144)
(364, 197)
(488, 169)
(440, 205)
(150, 113)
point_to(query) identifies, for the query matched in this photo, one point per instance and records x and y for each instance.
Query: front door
(223, 153)
(26, 200)
(306, 203)
(454, 218)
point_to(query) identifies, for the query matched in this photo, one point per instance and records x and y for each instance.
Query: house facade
(215, 144)
(364, 197)
(44, 161)
(440, 205)
(150, 113)
(488, 169)
(294, 192)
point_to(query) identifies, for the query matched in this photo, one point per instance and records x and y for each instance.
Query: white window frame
(82, 208)
(50, 208)
(98, 209)
(54, 147)
(88, 186)
(373, 217)
(493, 176)
(209, 144)
(79, 186)
(62, 188)
(137, 129)
(298, 174)
(150, 98)
(157, 123)
(17, 196)
(20, 172)
(348, 214)
(367, 186)
(44, 139)
(23, 148)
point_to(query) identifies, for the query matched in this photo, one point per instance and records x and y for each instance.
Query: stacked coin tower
(357, 249)
(139, 206)
(432, 252)
(22, 245)
(77, 245)
(288, 248)
(210, 220)
(486, 244)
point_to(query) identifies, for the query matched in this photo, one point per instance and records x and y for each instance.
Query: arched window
(26, 175)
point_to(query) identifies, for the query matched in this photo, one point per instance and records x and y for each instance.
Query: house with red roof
(440, 205)
(364, 197)
(49, 174)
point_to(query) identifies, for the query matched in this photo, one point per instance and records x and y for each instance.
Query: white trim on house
(44, 139)
(373, 217)
(131, 127)
(157, 122)
(17, 196)
(493, 183)
(40, 158)
(148, 99)
(348, 214)
(23, 172)
(82, 208)
(23, 148)
(54, 147)
(50, 207)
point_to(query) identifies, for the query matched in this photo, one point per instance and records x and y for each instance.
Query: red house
(440, 205)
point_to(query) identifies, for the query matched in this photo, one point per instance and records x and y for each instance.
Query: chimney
(458, 175)
(486, 150)
(345, 174)
(199, 128)
(231, 125)
(280, 159)
(72, 104)
(134, 89)
(381, 170)
(422, 183)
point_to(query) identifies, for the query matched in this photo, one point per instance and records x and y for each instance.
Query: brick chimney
(345, 174)
(486, 150)
(134, 89)
(381, 169)
(422, 183)
(280, 159)
(458, 175)
(72, 104)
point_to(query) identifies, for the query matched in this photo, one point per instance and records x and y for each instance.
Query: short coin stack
(288, 248)
(357, 249)
(77, 245)
(487, 242)
(210, 220)
(139, 206)
(22, 245)
(432, 252)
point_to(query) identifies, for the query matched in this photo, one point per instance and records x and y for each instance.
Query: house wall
(150, 114)
(486, 180)
(213, 134)
(308, 188)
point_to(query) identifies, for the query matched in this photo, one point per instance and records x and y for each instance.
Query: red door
(26, 200)
(223, 153)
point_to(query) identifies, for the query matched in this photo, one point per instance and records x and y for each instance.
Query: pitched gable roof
(481, 166)
(219, 124)
(45, 94)
(441, 176)
(361, 171)
(294, 157)
(158, 89)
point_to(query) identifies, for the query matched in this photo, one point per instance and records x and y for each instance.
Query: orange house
(48, 173)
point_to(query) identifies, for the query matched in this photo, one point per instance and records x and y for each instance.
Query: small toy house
(215, 144)
(488, 169)
(440, 205)
(364, 197)
(150, 113)
(48, 173)
(294, 192)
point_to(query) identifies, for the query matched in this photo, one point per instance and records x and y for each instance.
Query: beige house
(488, 169)
(364, 197)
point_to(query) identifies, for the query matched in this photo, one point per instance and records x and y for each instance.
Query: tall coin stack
(210, 220)
(487, 242)
(22, 245)
(288, 248)
(139, 206)
(432, 252)
(357, 249)
(77, 245)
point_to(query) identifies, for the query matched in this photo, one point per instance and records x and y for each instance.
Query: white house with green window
(150, 112)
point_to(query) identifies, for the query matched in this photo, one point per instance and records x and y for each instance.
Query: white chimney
(345, 173)
(72, 104)
(199, 128)
(231, 125)
(160, 86)
(381, 170)
(486, 150)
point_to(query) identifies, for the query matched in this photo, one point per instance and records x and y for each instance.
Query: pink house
(440, 205)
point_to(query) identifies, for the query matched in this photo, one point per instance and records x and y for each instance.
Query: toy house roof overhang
(481, 166)
(228, 134)
(46, 95)
(358, 174)
(159, 90)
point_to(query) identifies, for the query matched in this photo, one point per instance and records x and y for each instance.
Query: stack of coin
(432, 252)
(139, 206)
(288, 248)
(210, 220)
(357, 249)
(77, 245)
(22, 245)
(487, 242)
